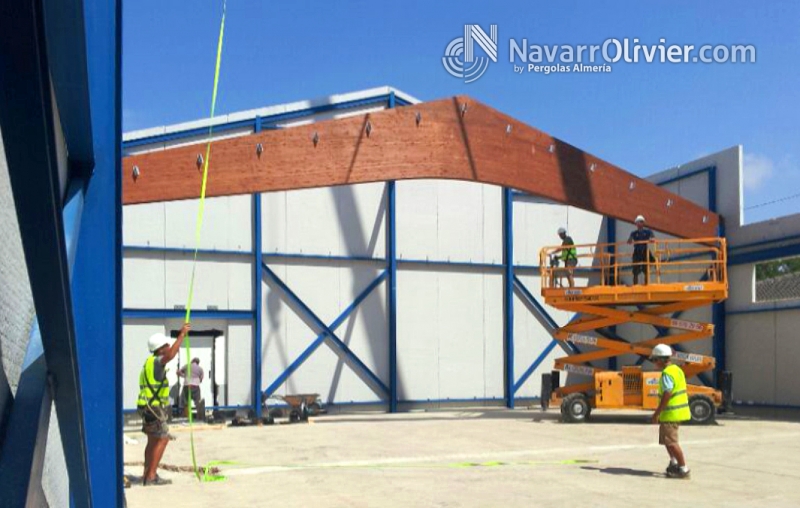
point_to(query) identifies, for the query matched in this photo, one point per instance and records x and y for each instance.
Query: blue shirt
(667, 383)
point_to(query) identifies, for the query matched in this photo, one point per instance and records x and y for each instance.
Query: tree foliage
(776, 268)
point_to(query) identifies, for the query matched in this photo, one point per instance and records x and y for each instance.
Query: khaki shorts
(668, 433)
(154, 421)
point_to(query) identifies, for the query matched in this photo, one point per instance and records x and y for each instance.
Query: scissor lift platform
(679, 275)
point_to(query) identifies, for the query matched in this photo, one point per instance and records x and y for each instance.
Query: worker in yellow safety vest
(153, 404)
(569, 255)
(673, 408)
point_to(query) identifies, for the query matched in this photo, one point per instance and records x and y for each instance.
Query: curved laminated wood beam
(456, 138)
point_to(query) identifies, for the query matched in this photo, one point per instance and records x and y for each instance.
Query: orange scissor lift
(679, 275)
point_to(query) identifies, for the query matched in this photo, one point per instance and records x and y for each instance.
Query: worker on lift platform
(641, 238)
(672, 409)
(153, 405)
(569, 255)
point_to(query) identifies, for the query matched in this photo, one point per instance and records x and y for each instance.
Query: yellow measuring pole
(199, 226)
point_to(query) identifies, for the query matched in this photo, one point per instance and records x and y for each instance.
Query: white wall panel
(787, 354)
(751, 356)
(144, 225)
(492, 224)
(239, 228)
(211, 281)
(536, 224)
(239, 367)
(275, 314)
(274, 222)
(493, 357)
(365, 332)
(313, 225)
(181, 218)
(240, 284)
(460, 221)
(417, 330)
(460, 329)
(360, 217)
(417, 230)
(144, 276)
(742, 280)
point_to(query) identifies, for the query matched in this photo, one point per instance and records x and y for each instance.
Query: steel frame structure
(325, 333)
(60, 62)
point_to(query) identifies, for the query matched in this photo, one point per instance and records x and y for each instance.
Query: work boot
(680, 474)
(156, 481)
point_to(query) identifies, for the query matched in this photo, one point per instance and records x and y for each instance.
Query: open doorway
(209, 347)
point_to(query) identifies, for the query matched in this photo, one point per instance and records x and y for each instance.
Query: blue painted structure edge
(764, 255)
(508, 294)
(765, 242)
(763, 309)
(258, 314)
(197, 314)
(268, 119)
(391, 293)
(35, 183)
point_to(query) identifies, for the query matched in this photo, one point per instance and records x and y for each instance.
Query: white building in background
(329, 244)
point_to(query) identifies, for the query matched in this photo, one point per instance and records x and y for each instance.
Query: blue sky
(642, 117)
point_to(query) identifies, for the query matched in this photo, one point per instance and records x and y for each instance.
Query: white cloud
(757, 169)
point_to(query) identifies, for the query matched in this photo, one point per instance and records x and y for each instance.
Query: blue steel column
(611, 237)
(391, 287)
(257, 304)
(257, 311)
(391, 293)
(97, 276)
(718, 310)
(508, 293)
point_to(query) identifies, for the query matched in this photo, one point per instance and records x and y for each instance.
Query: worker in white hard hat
(641, 237)
(569, 255)
(153, 404)
(673, 408)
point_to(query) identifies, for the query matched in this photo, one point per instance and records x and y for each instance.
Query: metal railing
(665, 261)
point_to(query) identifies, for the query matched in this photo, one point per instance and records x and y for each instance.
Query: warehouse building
(329, 246)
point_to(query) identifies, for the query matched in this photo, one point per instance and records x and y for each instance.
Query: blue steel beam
(27, 121)
(258, 314)
(508, 294)
(197, 314)
(97, 277)
(391, 293)
(270, 119)
(326, 332)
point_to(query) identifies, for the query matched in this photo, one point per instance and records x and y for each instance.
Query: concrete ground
(485, 458)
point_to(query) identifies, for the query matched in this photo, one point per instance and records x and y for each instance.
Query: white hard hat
(639, 218)
(157, 340)
(562, 231)
(661, 351)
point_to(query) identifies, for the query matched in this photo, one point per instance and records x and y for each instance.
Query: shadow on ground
(529, 416)
(623, 471)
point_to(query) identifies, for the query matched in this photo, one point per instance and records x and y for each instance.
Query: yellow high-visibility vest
(677, 409)
(151, 391)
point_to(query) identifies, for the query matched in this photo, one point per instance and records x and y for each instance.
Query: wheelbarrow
(301, 406)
